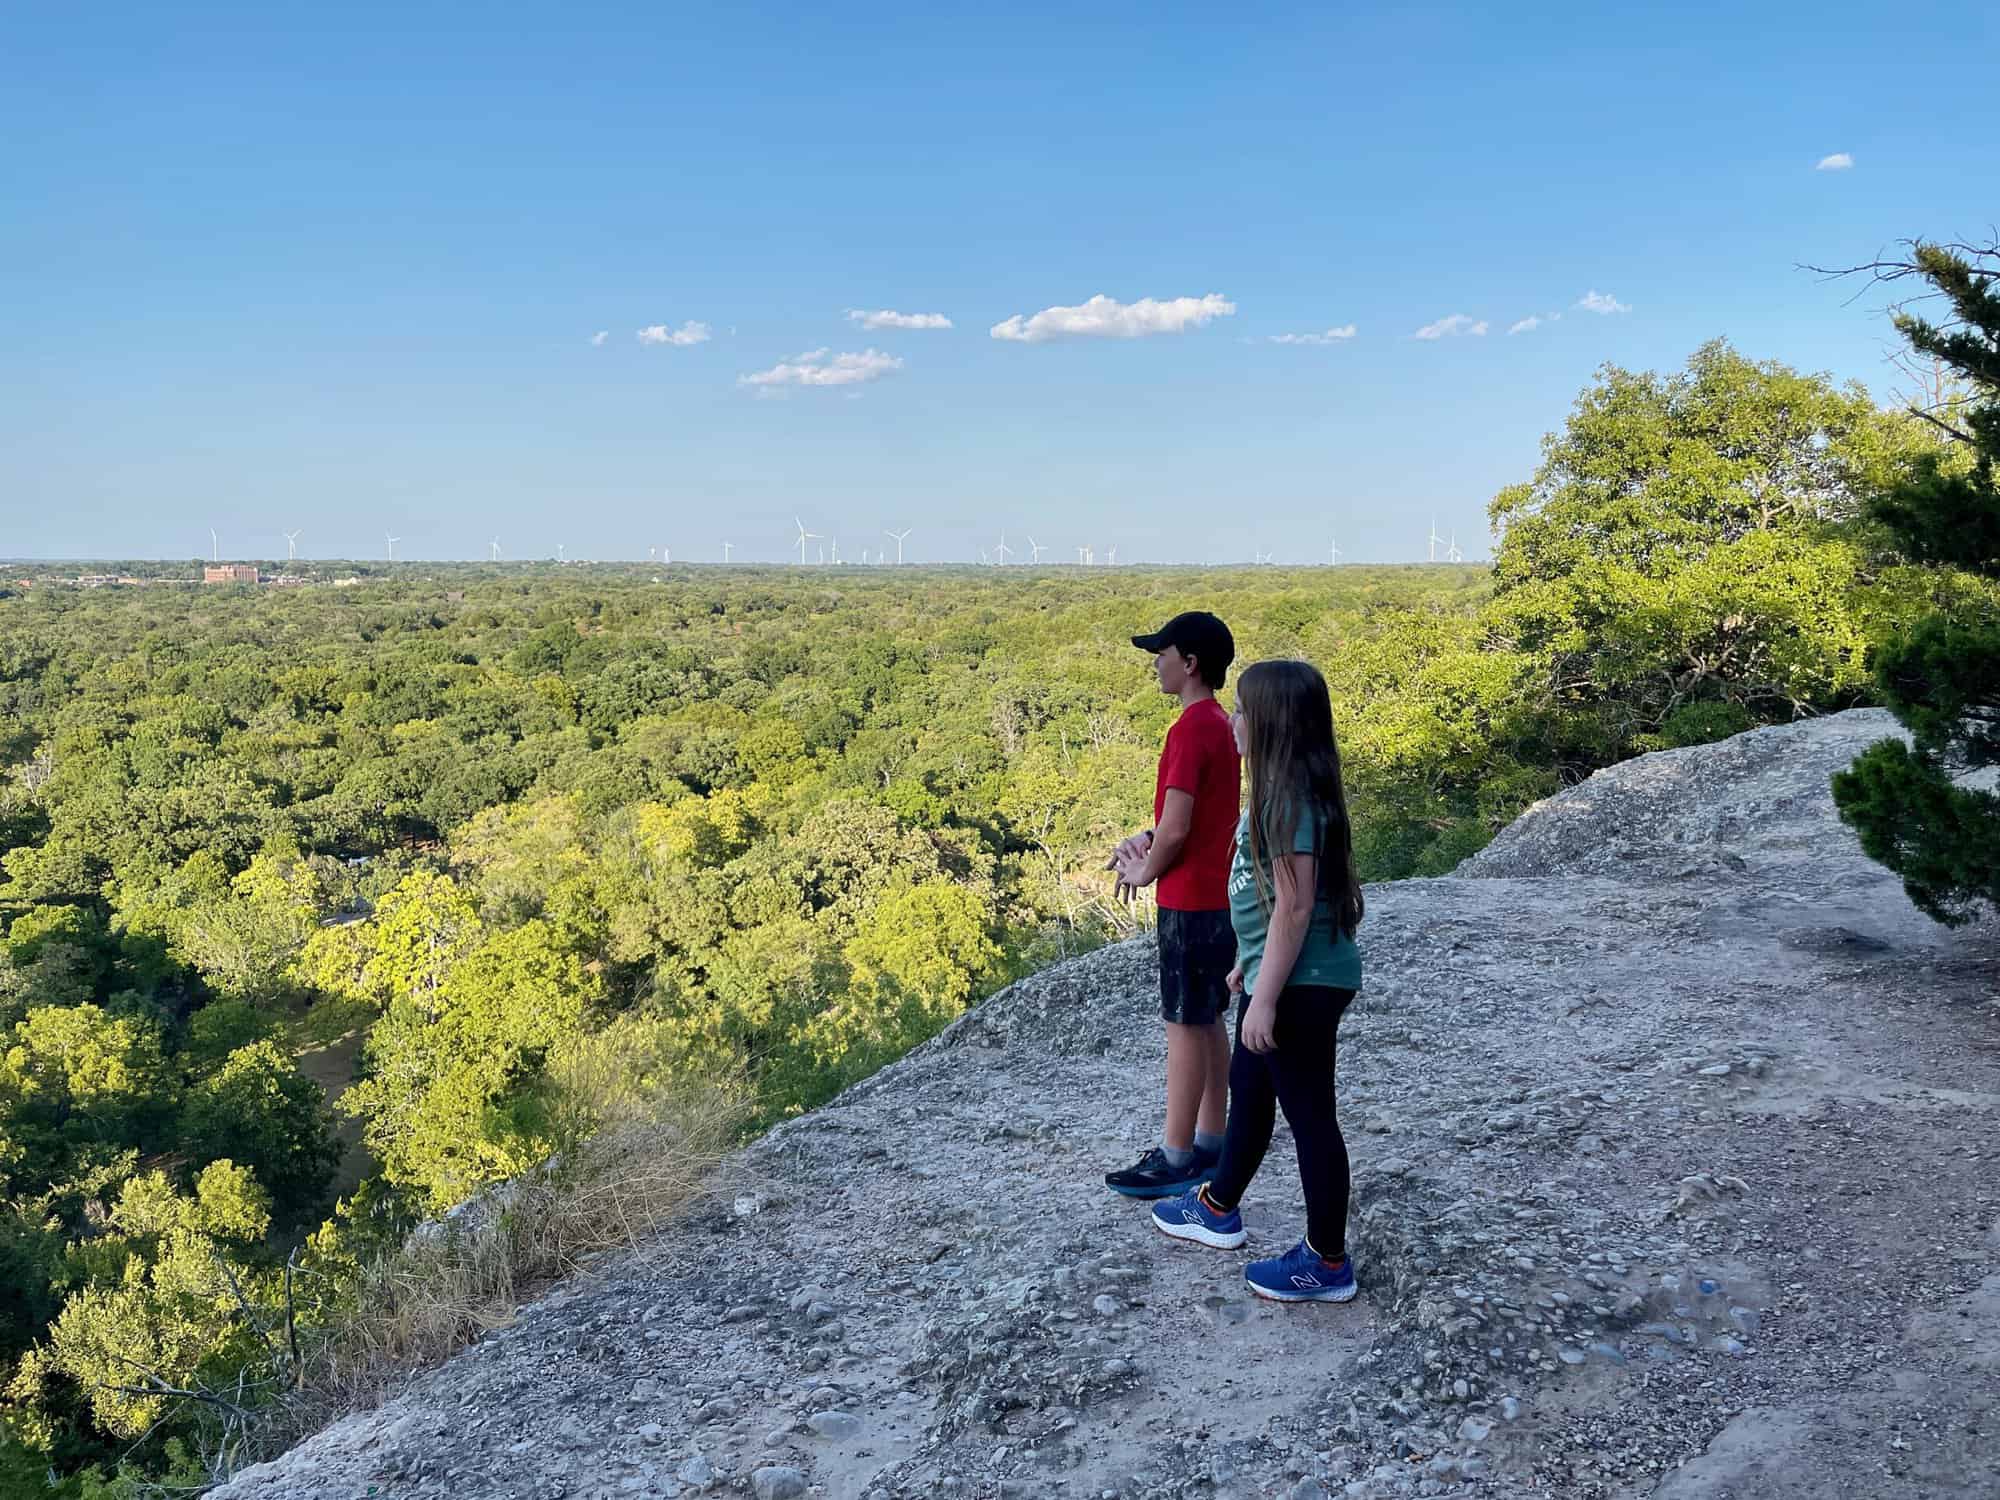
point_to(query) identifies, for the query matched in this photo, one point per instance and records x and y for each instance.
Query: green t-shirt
(1327, 956)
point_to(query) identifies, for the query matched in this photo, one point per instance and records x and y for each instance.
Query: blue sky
(339, 271)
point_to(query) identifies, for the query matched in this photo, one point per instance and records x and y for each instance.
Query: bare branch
(298, 1371)
(158, 1387)
(243, 1303)
(1942, 426)
(1884, 270)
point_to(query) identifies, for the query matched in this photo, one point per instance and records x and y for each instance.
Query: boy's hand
(1259, 1031)
(1130, 865)
(1139, 844)
(1236, 980)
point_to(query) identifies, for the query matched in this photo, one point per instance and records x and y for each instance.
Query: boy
(1195, 805)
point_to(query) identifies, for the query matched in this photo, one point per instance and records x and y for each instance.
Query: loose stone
(837, 1425)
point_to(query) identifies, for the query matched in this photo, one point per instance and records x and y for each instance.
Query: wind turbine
(1111, 557)
(1452, 554)
(1333, 551)
(214, 547)
(898, 538)
(559, 553)
(983, 558)
(727, 547)
(1005, 550)
(649, 553)
(1082, 556)
(667, 557)
(1435, 539)
(495, 545)
(391, 540)
(803, 536)
(1035, 548)
(292, 544)
(834, 542)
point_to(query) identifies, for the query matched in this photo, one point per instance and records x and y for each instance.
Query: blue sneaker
(1299, 1275)
(1188, 1218)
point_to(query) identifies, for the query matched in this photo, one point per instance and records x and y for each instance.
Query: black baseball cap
(1196, 633)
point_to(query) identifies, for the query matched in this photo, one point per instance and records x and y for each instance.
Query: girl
(1295, 905)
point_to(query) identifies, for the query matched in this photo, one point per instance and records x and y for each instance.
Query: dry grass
(452, 1282)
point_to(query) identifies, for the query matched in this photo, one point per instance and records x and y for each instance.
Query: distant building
(345, 583)
(229, 573)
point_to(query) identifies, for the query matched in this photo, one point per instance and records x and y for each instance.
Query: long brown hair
(1294, 774)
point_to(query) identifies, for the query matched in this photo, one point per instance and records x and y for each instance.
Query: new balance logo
(1307, 1283)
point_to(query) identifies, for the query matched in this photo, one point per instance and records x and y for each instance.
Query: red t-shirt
(1200, 759)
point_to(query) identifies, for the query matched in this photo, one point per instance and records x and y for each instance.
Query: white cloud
(1457, 323)
(888, 319)
(1338, 335)
(1840, 161)
(821, 367)
(1104, 317)
(680, 338)
(1601, 302)
(597, 339)
(1527, 325)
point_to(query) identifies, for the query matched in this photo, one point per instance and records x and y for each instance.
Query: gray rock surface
(1673, 1128)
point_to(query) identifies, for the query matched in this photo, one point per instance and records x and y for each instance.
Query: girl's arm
(1295, 882)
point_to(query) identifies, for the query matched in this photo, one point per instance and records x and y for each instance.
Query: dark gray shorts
(1197, 951)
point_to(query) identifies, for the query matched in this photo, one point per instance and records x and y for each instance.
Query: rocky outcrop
(1673, 1126)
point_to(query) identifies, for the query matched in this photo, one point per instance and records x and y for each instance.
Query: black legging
(1298, 1077)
